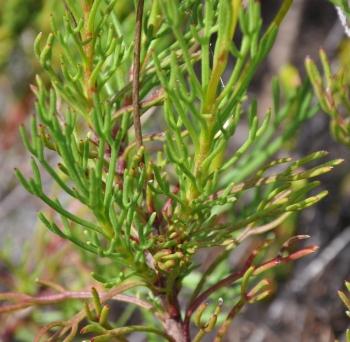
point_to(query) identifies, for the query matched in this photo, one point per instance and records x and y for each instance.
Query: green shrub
(135, 126)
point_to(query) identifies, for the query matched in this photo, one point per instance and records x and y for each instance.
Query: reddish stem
(237, 275)
(204, 295)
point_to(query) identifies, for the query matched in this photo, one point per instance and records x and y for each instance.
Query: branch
(153, 100)
(285, 256)
(136, 74)
(224, 282)
(25, 301)
(71, 326)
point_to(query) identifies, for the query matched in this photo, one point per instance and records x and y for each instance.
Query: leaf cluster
(332, 91)
(346, 300)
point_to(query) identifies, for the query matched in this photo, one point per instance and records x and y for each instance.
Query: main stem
(136, 74)
(172, 322)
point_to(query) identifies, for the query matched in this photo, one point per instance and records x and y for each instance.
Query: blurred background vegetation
(306, 306)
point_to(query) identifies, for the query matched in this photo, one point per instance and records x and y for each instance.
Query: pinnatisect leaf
(307, 202)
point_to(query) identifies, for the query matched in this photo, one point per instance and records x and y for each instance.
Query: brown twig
(25, 301)
(28, 301)
(71, 326)
(156, 98)
(136, 74)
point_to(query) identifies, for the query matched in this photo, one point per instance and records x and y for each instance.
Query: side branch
(285, 255)
(25, 301)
